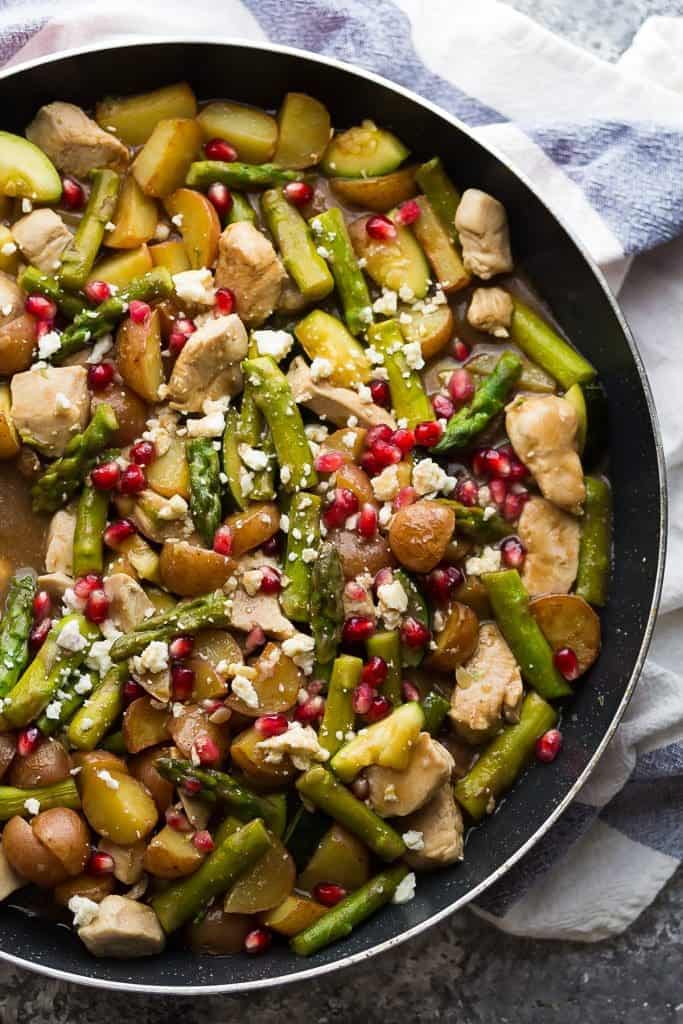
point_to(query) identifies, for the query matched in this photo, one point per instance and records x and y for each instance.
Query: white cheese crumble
(251, 581)
(8, 249)
(414, 840)
(53, 710)
(300, 648)
(429, 477)
(321, 368)
(413, 355)
(84, 910)
(100, 349)
(70, 637)
(276, 344)
(212, 425)
(244, 689)
(393, 602)
(174, 508)
(386, 484)
(252, 457)
(195, 286)
(153, 659)
(487, 561)
(300, 742)
(107, 778)
(387, 303)
(49, 344)
(84, 685)
(405, 890)
(32, 805)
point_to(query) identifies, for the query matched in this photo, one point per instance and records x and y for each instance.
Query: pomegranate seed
(38, 634)
(44, 327)
(182, 329)
(27, 740)
(460, 350)
(132, 480)
(443, 407)
(97, 291)
(380, 228)
(461, 386)
(40, 307)
(100, 863)
(207, 750)
(360, 787)
(42, 605)
(344, 504)
(479, 462)
(549, 745)
(357, 630)
(212, 704)
(379, 708)
(271, 725)
(177, 820)
(222, 540)
(257, 941)
(512, 553)
(384, 575)
(117, 532)
(370, 464)
(408, 212)
(467, 492)
(379, 390)
(181, 647)
(219, 149)
(298, 193)
(414, 633)
(496, 463)
(409, 690)
(513, 505)
(202, 841)
(367, 520)
(375, 671)
(329, 893)
(406, 496)
(183, 325)
(362, 698)
(311, 711)
(100, 375)
(86, 585)
(271, 547)
(221, 197)
(191, 786)
(139, 312)
(386, 454)
(567, 663)
(429, 433)
(106, 476)
(329, 462)
(225, 301)
(255, 638)
(132, 690)
(498, 490)
(379, 433)
(97, 606)
(518, 470)
(404, 439)
(442, 581)
(271, 582)
(143, 453)
(182, 680)
(73, 194)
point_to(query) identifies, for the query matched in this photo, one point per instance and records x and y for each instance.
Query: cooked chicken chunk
(128, 603)
(335, 404)
(56, 584)
(123, 928)
(50, 405)
(10, 881)
(489, 688)
(551, 538)
(542, 430)
(260, 610)
(393, 794)
(441, 826)
(60, 542)
(491, 310)
(42, 237)
(208, 366)
(74, 142)
(250, 267)
(482, 224)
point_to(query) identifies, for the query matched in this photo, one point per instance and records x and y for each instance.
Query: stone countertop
(463, 970)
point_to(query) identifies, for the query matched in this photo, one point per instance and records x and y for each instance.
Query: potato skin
(17, 341)
(65, 835)
(419, 534)
(219, 933)
(457, 641)
(8, 746)
(253, 527)
(48, 763)
(29, 857)
(130, 410)
(358, 555)
(189, 570)
(94, 887)
(142, 768)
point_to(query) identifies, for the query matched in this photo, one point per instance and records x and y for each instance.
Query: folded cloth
(603, 145)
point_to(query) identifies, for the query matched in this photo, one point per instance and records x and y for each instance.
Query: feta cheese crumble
(244, 689)
(70, 638)
(405, 890)
(487, 561)
(386, 484)
(153, 659)
(321, 368)
(414, 840)
(83, 909)
(276, 344)
(32, 805)
(300, 742)
(195, 286)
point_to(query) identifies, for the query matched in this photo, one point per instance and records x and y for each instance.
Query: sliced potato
(253, 527)
(169, 474)
(136, 558)
(261, 773)
(189, 570)
(136, 217)
(324, 336)
(568, 621)
(144, 725)
(457, 641)
(293, 915)
(171, 854)
(252, 132)
(198, 224)
(125, 813)
(92, 887)
(17, 342)
(277, 684)
(353, 478)
(394, 263)
(218, 933)
(444, 257)
(161, 165)
(193, 724)
(134, 118)
(349, 441)
(212, 646)
(380, 194)
(121, 268)
(9, 439)
(339, 857)
(432, 330)
(138, 356)
(171, 254)
(304, 131)
(265, 885)
(9, 261)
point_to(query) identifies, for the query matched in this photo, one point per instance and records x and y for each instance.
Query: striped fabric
(604, 146)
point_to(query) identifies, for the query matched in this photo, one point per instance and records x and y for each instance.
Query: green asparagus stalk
(96, 717)
(232, 464)
(304, 534)
(441, 193)
(408, 396)
(474, 522)
(34, 281)
(64, 477)
(274, 398)
(190, 896)
(510, 604)
(435, 708)
(15, 627)
(187, 617)
(596, 542)
(297, 247)
(327, 607)
(329, 229)
(339, 717)
(79, 257)
(251, 430)
(488, 401)
(544, 346)
(502, 761)
(205, 487)
(59, 794)
(340, 921)
(115, 743)
(91, 519)
(246, 177)
(321, 788)
(388, 646)
(68, 704)
(241, 209)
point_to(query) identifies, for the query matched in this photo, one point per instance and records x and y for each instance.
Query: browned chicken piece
(438, 832)
(260, 610)
(50, 405)
(42, 237)
(208, 366)
(250, 267)
(551, 538)
(123, 928)
(482, 225)
(56, 584)
(542, 430)
(394, 794)
(60, 542)
(491, 310)
(335, 404)
(128, 603)
(74, 142)
(488, 688)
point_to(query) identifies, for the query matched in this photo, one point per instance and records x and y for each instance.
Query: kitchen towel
(603, 145)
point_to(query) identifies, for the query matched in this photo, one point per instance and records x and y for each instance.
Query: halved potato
(293, 915)
(339, 857)
(136, 217)
(381, 193)
(125, 813)
(171, 854)
(212, 646)
(144, 725)
(9, 439)
(305, 127)
(130, 411)
(218, 933)
(169, 474)
(350, 441)
(265, 885)
(277, 684)
(171, 254)
(324, 336)
(566, 620)
(251, 760)
(253, 527)
(443, 256)
(9, 261)
(198, 223)
(138, 356)
(456, 641)
(134, 118)
(189, 570)
(252, 132)
(432, 330)
(193, 724)
(161, 165)
(121, 268)
(17, 342)
(395, 263)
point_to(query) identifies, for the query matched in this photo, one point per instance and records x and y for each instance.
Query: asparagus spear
(68, 705)
(388, 646)
(439, 248)
(186, 617)
(231, 858)
(14, 630)
(34, 281)
(339, 717)
(340, 921)
(596, 542)
(329, 229)
(241, 209)
(326, 606)
(488, 401)
(205, 487)
(321, 788)
(59, 794)
(274, 398)
(232, 464)
(544, 346)
(441, 193)
(434, 708)
(79, 257)
(304, 534)
(408, 396)
(91, 520)
(471, 522)
(504, 758)
(510, 604)
(237, 175)
(98, 714)
(64, 477)
(251, 430)
(297, 248)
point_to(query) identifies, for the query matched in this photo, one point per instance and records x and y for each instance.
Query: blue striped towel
(603, 145)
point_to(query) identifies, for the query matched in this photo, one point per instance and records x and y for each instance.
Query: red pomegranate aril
(409, 690)
(219, 149)
(257, 941)
(344, 504)
(443, 407)
(370, 464)
(221, 197)
(549, 745)
(379, 391)
(512, 553)
(225, 301)
(100, 375)
(442, 581)
(28, 740)
(202, 841)
(184, 325)
(329, 893)
(100, 863)
(381, 432)
(139, 312)
(498, 490)
(271, 725)
(73, 194)
(132, 690)
(42, 605)
(298, 193)
(97, 291)
(44, 327)
(222, 540)
(329, 462)
(106, 476)
(386, 454)
(271, 581)
(132, 480)
(271, 547)
(479, 462)
(362, 698)
(460, 350)
(86, 585)
(467, 492)
(428, 434)
(379, 708)
(97, 606)
(513, 505)
(191, 786)
(117, 532)
(380, 228)
(181, 647)
(311, 711)
(357, 630)
(408, 212)
(496, 463)
(143, 453)
(367, 520)
(40, 307)
(461, 386)
(177, 820)
(518, 470)
(406, 496)
(384, 575)
(38, 634)
(255, 638)
(360, 787)
(414, 633)
(375, 671)
(404, 438)
(567, 664)
(182, 681)
(207, 750)
(176, 342)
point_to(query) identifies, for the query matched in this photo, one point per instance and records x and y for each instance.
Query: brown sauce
(22, 532)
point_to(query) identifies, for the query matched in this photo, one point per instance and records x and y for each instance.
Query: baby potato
(171, 255)
(116, 805)
(29, 857)
(122, 267)
(142, 768)
(8, 747)
(356, 480)
(339, 857)
(199, 225)
(457, 641)
(192, 724)
(252, 132)
(212, 646)
(277, 684)
(432, 330)
(380, 193)
(97, 760)
(253, 527)
(164, 160)
(261, 774)
(138, 356)
(566, 620)
(293, 915)
(189, 570)
(128, 865)
(169, 474)
(130, 411)
(265, 885)
(10, 445)
(171, 854)
(134, 118)
(144, 725)
(93, 887)
(136, 218)
(47, 763)
(218, 933)
(419, 534)
(359, 555)
(64, 833)
(350, 441)
(17, 341)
